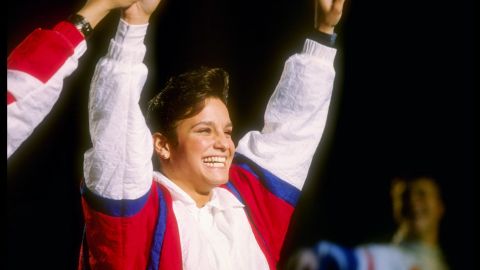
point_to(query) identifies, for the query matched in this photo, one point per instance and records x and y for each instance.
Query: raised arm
(37, 67)
(118, 166)
(328, 14)
(297, 111)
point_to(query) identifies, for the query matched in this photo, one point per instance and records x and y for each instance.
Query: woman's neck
(201, 197)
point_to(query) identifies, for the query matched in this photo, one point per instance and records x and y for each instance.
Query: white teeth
(215, 161)
(215, 165)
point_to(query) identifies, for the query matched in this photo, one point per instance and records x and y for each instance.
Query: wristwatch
(81, 24)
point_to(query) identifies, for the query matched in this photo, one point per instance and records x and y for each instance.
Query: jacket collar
(221, 199)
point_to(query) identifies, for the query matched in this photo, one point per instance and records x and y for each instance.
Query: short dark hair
(184, 96)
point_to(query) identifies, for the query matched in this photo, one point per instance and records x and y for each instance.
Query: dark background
(403, 101)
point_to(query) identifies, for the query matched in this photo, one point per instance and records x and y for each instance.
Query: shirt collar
(221, 199)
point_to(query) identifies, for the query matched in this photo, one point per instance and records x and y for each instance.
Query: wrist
(136, 20)
(325, 28)
(325, 39)
(94, 13)
(81, 24)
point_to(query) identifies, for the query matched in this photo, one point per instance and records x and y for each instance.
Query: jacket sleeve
(119, 166)
(35, 72)
(295, 116)
(270, 166)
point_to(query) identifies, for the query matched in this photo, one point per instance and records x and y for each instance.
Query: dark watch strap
(323, 38)
(81, 24)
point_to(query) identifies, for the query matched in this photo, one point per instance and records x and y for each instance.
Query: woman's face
(201, 160)
(419, 204)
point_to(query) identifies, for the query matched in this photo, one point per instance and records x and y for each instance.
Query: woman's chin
(216, 181)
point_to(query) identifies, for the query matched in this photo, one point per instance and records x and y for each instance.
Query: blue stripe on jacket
(111, 207)
(274, 184)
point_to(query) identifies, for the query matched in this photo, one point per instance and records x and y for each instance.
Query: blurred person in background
(417, 208)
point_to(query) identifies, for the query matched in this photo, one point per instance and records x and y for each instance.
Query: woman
(210, 206)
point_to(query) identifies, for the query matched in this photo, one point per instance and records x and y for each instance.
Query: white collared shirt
(216, 236)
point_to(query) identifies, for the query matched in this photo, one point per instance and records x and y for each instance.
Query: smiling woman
(405, 100)
(209, 206)
(192, 131)
(205, 148)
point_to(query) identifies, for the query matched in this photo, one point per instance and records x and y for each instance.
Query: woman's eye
(204, 130)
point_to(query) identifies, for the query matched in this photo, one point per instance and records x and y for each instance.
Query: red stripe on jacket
(268, 214)
(107, 236)
(171, 255)
(43, 52)
(10, 98)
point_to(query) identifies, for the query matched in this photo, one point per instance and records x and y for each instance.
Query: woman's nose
(221, 142)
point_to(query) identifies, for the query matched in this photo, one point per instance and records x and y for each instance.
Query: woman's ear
(161, 146)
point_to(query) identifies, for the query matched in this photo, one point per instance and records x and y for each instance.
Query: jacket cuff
(128, 46)
(313, 48)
